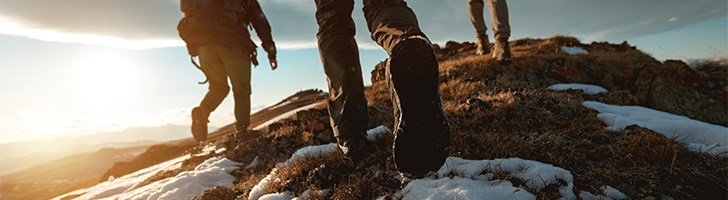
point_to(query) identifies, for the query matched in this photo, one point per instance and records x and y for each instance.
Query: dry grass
(502, 112)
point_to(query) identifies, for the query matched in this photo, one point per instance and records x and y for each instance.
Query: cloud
(141, 24)
(616, 20)
(149, 23)
(28, 114)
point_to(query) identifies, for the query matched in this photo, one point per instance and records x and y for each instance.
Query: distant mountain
(22, 155)
(64, 174)
(59, 172)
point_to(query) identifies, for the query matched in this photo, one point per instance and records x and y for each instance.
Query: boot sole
(422, 134)
(199, 125)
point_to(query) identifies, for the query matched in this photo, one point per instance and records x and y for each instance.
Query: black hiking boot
(356, 148)
(422, 134)
(199, 123)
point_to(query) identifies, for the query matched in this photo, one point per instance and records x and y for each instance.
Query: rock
(326, 137)
(216, 193)
(379, 73)
(676, 88)
(477, 104)
(275, 126)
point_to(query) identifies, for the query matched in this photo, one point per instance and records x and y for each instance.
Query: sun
(105, 81)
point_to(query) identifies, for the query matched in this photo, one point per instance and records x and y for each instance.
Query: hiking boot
(502, 52)
(422, 134)
(483, 46)
(356, 148)
(199, 123)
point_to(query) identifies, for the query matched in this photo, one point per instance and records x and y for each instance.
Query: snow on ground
(284, 115)
(699, 136)
(573, 50)
(213, 172)
(588, 89)
(258, 192)
(473, 179)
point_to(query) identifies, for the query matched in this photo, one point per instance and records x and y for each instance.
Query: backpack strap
(192, 58)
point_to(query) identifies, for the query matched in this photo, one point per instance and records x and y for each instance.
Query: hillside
(78, 171)
(31, 153)
(496, 113)
(64, 174)
(506, 112)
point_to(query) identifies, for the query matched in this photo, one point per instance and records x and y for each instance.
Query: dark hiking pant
(389, 22)
(219, 63)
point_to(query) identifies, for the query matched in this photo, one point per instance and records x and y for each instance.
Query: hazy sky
(78, 66)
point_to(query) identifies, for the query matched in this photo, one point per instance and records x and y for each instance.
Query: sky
(76, 67)
(473, 178)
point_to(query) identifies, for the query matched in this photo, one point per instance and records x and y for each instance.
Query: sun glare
(105, 81)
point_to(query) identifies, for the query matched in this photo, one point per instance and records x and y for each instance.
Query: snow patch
(212, 172)
(379, 130)
(573, 50)
(588, 89)
(287, 195)
(258, 192)
(707, 137)
(610, 192)
(252, 164)
(461, 188)
(474, 180)
(125, 183)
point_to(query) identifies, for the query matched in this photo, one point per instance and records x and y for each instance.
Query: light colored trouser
(498, 15)
(219, 63)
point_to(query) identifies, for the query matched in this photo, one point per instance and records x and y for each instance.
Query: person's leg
(237, 67)
(217, 77)
(475, 10)
(422, 134)
(501, 31)
(499, 18)
(390, 22)
(340, 58)
(218, 88)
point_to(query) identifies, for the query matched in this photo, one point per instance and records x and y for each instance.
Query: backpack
(221, 22)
